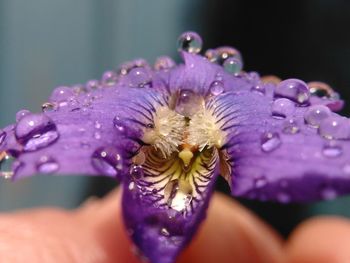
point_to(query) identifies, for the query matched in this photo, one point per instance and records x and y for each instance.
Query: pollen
(166, 133)
(204, 131)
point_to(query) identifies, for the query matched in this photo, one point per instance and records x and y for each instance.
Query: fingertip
(321, 240)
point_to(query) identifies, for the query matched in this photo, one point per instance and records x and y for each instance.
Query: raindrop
(6, 164)
(109, 78)
(334, 127)
(320, 89)
(221, 54)
(92, 84)
(164, 63)
(164, 232)
(20, 114)
(188, 103)
(282, 108)
(216, 88)
(178, 194)
(61, 93)
(2, 137)
(139, 77)
(107, 160)
(316, 114)
(48, 107)
(136, 171)
(47, 165)
(332, 149)
(270, 141)
(290, 127)
(190, 42)
(293, 89)
(328, 193)
(233, 65)
(36, 131)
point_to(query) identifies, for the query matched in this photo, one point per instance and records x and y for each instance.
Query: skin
(95, 233)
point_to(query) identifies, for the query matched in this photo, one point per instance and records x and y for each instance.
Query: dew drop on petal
(131, 186)
(178, 194)
(190, 42)
(36, 131)
(332, 149)
(48, 107)
(164, 63)
(61, 93)
(320, 89)
(270, 141)
(260, 182)
(233, 65)
(97, 135)
(188, 103)
(119, 124)
(328, 193)
(226, 52)
(20, 114)
(164, 232)
(92, 84)
(211, 55)
(47, 165)
(136, 171)
(259, 88)
(109, 78)
(294, 89)
(216, 88)
(316, 114)
(6, 165)
(107, 160)
(139, 77)
(334, 127)
(290, 127)
(282, 108)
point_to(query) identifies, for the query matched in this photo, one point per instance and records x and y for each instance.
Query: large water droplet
(20, 114)
(36, 131)
(6, 165)
(61, 93)
(233, 65)
(2, 137)
(164, 63)
(47, 165)
(178, 194)
(320, 89)
(188, 103)
(139, 77)
(216, 88)
(136, 171)
(48, 107)
(221, 54)
(316, 114)
(293, 89)
(107, 161)
(334, 127)
(331, 149)
(282, 108)
(109, 78)
(270, 141)
(190, 42)
(328, 193)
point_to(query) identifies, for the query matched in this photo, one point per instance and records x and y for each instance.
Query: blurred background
(44, 44)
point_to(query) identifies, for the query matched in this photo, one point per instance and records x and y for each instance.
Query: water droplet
(221, 54)
(316, 114)
(6, 164)
(293, 89)
(188, 103)
(79, 89)
(48, 107)
(107, 160)
(136, 171)
(92, 84)
(328, 193)
(47, 165)
(290, 127)
(36, 131)
(98, 125)
(190, 42)
(336, 127)
(331, 149)
(211, 55)
(109, 78)
(178, 194)
(164, 232)
(260, 88)
(97, 135)
(282, 108)
(2, 137)
(216, 88)
(164, 63)
(260, 182)
(61, 93)
(119, 124)
(139, 77)
(283, 198)
(320, 89)
(270, 141)
(20, 114)
(233, 65)
(131, 186)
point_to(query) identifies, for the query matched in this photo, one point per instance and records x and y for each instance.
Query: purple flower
(167, 133)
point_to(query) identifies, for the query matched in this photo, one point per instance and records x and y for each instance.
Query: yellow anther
(186, 156)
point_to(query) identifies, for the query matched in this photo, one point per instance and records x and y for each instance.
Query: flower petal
(282, 150)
